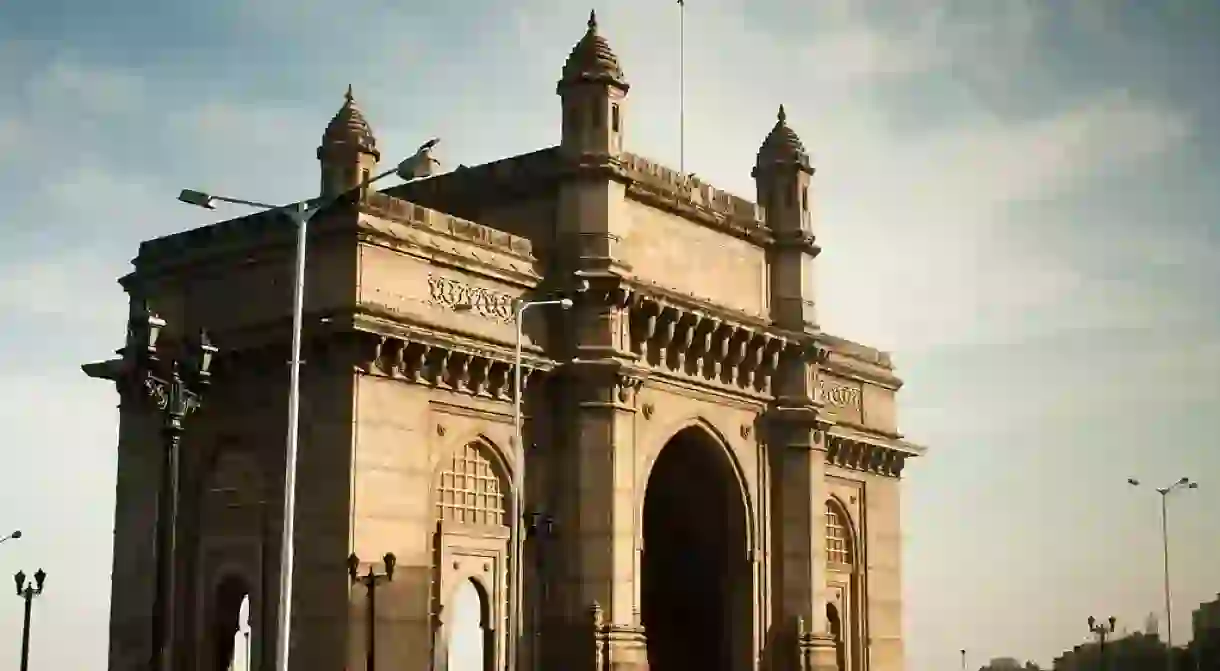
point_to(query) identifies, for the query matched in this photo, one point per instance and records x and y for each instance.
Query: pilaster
(798, 459)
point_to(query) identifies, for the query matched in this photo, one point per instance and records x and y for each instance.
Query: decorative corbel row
(444, 367)
(698, 344)
(866, 457)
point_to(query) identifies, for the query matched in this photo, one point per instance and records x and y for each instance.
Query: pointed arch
(486, 614)
(502, 459)
(842, 548)
(471, 485)
(229, 591)
(695, 525)
(714, 437)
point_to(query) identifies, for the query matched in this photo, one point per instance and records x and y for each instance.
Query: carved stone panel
(843, 399)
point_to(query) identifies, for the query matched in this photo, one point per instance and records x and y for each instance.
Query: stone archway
(231, 594)
(696, 580)
(469, 629)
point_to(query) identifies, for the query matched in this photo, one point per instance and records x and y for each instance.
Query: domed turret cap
(349, 127)
(782, 147)
(592, 60)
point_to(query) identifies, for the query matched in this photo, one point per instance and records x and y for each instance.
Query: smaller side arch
(454, 626)
(838, 519)
(503, 461)
(462, 456)
(228, 591)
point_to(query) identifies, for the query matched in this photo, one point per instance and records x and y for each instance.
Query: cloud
(970, 203)
(982, 275)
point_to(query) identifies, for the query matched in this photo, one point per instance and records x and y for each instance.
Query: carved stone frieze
(866, 457)
(447, 367)
(454, 294)
(840, 394)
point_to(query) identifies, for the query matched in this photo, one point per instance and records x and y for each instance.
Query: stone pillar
(799, 639)
(596, 491)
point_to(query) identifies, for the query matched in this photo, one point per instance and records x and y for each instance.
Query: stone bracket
(866, 457)
(445, 366)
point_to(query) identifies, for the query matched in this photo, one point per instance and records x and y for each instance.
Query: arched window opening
(231, 626)
(471, 490)
(838, 538)
(614, 117)
(470, 643)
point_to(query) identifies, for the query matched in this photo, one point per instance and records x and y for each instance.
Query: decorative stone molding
(627, 385)
(444, 366)
(697, 343)
(648, 410)
(450, 293)
(866, 457)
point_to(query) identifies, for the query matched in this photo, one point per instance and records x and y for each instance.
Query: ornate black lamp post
(370, 581)
(175, 384)
(539, 527)
(1102, 631)
(27, 591)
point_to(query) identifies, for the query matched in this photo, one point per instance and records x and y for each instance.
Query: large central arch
(696, 580)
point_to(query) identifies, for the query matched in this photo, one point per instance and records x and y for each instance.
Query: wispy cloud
(1031, 236)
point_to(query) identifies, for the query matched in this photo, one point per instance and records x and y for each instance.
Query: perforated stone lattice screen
(838, 549)
(470, 490)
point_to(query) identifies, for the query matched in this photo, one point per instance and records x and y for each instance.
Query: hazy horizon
(1017, 198)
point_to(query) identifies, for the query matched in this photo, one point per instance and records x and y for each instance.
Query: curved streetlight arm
(1182, 483)
(415, 166)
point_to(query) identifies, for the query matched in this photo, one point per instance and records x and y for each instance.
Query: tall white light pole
(416, 166)
(1183, 483)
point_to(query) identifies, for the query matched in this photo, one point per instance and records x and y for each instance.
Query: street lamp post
(370, 581)
(416, 166)
(1102, 631)
(541, 526)
(175, 385)
(963, 659)
(1182, 483)
(518, 538)
(27, 591)
(12, 536)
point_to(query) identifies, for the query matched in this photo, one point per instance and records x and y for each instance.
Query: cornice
(521, 274)
(409, 214)
(382, 320)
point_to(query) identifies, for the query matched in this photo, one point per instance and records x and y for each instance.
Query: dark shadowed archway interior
(696, 579)
(231, 594)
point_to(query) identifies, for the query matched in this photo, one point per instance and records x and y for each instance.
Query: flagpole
(682, 86)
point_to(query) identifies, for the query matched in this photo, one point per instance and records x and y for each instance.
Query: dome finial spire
(782, 147)
(348, 97)
(592, 60)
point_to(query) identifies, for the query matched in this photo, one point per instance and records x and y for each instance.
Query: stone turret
(593, 90)
(782, 174)
(348, 154)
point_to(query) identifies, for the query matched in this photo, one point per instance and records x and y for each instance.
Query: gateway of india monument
(710, 481)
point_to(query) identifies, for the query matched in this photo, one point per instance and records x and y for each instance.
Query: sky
(1016, 198)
